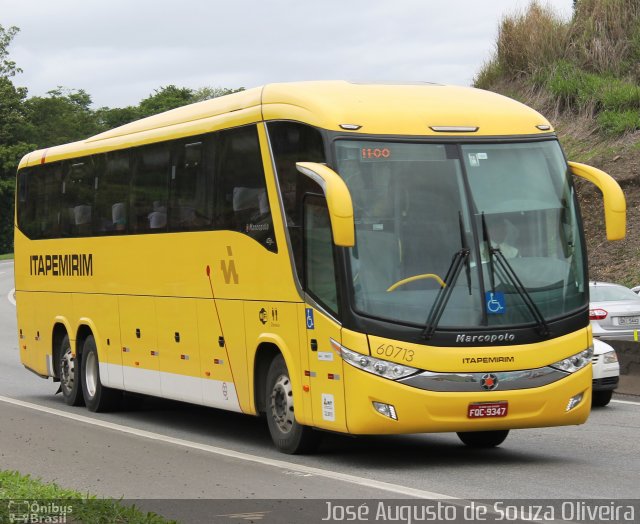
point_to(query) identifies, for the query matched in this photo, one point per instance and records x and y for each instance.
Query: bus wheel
(68, 366)
(288, 435)
(601, 398)
(97, 397)
(483, 439)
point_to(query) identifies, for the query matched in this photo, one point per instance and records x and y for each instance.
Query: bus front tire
(97, 397)
(69, 374)
(483, 439)
(288, 435)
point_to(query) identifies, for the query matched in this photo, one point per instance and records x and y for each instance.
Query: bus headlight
(575, 362)
(375, 366)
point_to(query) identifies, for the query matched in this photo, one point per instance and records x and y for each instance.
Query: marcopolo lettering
(74, 265)
(472, 339)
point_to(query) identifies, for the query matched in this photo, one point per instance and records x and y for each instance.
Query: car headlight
(375, 366)
(575, 362)
(610, 357)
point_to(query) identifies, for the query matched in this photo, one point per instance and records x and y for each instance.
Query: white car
(614, 311)
(636, 290)
(606, 372)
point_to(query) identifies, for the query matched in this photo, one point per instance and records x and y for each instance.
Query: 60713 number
(391, 351)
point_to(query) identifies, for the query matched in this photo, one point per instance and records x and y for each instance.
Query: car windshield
(608, 293)
(419, 206)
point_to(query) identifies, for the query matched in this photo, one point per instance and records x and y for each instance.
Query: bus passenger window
(112, 194)
(78, 195)
(29, 189)
(191, 203)
(293, 142)
(243, 204)
(150, 189)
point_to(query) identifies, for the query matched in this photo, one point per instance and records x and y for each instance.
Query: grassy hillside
(583, 74)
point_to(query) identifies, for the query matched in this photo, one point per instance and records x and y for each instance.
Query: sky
(120, 51)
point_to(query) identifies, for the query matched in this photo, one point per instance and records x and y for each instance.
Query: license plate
(628, 321)
(488, 409)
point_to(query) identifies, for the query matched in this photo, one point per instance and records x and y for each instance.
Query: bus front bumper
(421, 411)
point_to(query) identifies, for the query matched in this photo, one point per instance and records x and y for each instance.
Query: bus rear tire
(69, 374)
(97, 397)
(287, 434)
(483, 439)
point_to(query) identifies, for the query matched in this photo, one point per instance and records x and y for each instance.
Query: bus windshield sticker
(482, 156)
(473, 160)
(495, 302)
(309, 315)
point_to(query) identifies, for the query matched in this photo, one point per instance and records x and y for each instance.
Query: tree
(7, 67)
(164, 99)
(13, 140)
(108, 118)
(64, 115)
(207, 93)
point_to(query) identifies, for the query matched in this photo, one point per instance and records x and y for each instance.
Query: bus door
(325, 375)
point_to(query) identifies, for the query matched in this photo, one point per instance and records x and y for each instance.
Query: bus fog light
(574, 401)
(386, 409)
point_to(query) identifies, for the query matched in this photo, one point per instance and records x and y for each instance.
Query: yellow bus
(362, 259)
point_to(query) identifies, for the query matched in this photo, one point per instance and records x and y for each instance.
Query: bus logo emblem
(489, 382)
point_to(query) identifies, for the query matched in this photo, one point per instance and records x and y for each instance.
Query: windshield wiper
(512, 276)
(459, 259)
(465, 245)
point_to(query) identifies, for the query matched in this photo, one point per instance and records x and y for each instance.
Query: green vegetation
(584, 75)
(6, 256)
(53, 502)
(587, 65)
(63, 115)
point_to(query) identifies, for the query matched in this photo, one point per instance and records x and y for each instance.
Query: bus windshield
(503, 213)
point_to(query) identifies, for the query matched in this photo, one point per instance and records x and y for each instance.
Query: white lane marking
(289, 466)
(12, 296)
(626, 402)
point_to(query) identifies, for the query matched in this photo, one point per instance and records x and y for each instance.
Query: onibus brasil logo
(31, 511)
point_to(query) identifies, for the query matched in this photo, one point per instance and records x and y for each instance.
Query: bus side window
(28, 193)
(112, 193)
(319, 265)
(78, 195)
(293, 142)
(243, 204)
(191, 202)
(150, 189)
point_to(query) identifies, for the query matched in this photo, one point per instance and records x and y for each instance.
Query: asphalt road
(156, 449)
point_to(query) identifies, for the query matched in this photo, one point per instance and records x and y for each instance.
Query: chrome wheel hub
(67, 370)
(282, 404)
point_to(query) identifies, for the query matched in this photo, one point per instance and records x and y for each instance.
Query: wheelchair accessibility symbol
(309, 315)
(495, 303)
